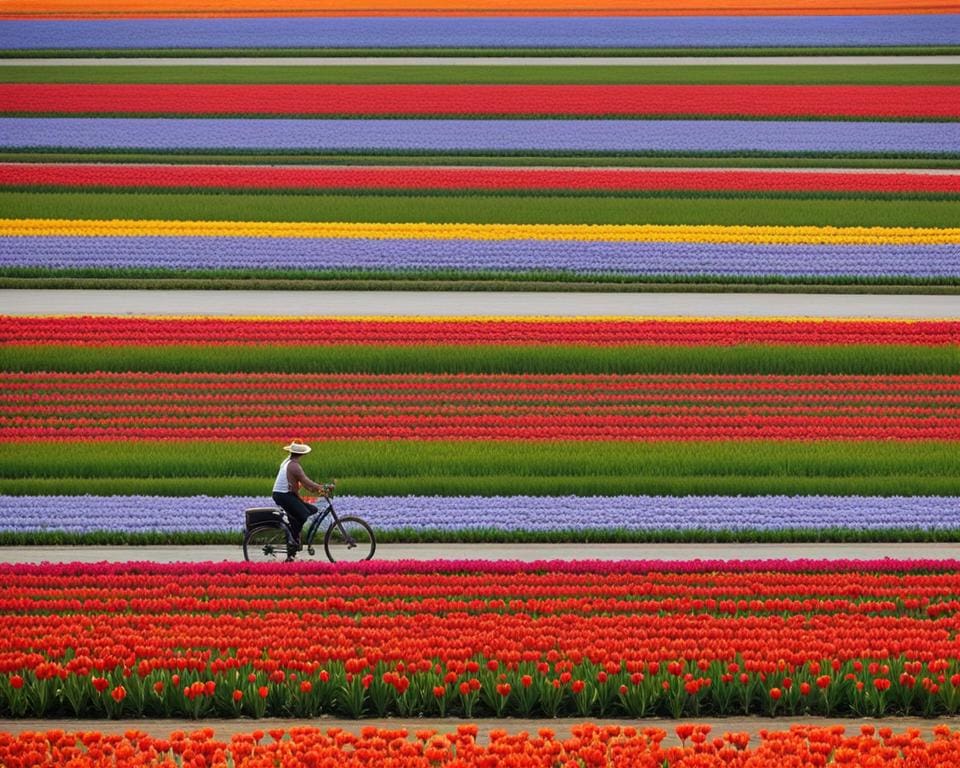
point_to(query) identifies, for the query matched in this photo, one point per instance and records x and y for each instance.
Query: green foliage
(480, 208)
(740, 359)
(495, 468)
(531, 73)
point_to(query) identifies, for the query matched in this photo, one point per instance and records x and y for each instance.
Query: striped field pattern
(353, 171)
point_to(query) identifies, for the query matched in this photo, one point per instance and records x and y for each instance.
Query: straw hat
(296, 446)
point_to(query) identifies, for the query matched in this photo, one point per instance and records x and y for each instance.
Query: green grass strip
(533, 73)
(741, 359)
(480, 208)
(533, 53)
(447, 280)
(664, 161)
(497, 536)
(491, 468)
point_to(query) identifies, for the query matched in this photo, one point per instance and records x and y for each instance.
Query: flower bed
(634, 638)
(487, 518)
(588, 745)
(259, 406)
(465, 136)
(761, 101)
(108, 331)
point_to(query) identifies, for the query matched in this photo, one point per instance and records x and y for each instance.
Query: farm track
(225, 729)
(521, 552)
(473, 304)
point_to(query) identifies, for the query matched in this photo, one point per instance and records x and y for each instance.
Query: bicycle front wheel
(349, 539)
(265, 545)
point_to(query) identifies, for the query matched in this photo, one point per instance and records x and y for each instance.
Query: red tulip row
(421, 177)
(137, 639)
(105, 331)
(37, 406)
(877, 101)
(588, 745)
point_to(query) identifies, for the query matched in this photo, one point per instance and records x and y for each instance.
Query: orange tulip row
(588, 745)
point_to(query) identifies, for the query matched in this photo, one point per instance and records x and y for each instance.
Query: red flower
(16, 682)
(119, 693)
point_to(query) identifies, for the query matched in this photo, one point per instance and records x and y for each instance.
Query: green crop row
(532, 73)
(499, 536)
(480, 209)
(400, 458)
(858, 359)
(378, 468)
(428, 279)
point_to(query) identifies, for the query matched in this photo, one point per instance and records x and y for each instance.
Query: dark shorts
(296, 508)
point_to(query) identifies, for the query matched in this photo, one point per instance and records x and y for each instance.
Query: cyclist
(286, 489)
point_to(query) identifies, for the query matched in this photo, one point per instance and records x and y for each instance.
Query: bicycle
(267, 536)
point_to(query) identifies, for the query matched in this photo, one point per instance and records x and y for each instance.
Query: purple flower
(138, 514)
(483, 135)
(487, 32)
(403, 255)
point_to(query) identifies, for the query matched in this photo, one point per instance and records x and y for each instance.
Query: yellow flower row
(595, 232)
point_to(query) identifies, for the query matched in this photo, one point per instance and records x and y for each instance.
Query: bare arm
(296, 471)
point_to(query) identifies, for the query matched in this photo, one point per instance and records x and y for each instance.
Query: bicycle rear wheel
(265, 545)
(349, 539)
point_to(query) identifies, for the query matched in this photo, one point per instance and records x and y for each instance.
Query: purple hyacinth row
(135, 514)
(482, 135)
(493, 32)
(575, 257)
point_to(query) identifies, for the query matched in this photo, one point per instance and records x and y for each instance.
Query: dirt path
(522, 552)
(485, 304)
(224, 729)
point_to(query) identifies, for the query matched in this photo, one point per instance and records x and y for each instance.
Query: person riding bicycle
(286, 489)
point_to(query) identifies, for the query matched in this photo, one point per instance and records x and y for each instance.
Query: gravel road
(522, 552)
(479, 304)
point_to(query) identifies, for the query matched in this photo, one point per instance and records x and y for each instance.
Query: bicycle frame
(314, 521)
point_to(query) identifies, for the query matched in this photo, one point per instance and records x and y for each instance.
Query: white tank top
(281, 485)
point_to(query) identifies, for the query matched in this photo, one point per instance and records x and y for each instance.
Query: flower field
(209, 519)
(581, 146)
(482, 173)
(458, 429)
(584, 638)
(589, 745)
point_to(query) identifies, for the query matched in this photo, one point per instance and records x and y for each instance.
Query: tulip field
(589, 744)
(585, 147)
(479, 174)
(633, 638)
(459, 429)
